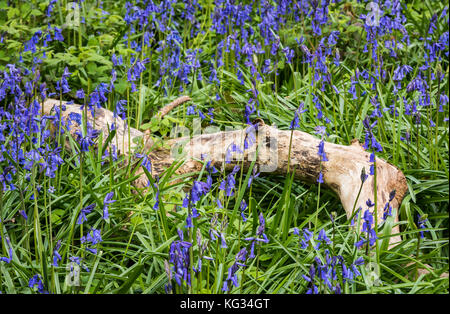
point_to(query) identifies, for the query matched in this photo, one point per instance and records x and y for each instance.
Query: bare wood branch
(341, 173)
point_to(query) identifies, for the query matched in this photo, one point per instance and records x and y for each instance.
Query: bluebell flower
(333, 37)
(421, 222)
(321, 151)
(310, 279)
(106, 203)
(322, 238)
(180, 260)
(77, 260)
(320, 178)
(369, 203)
(36, 281)
(84, 211)
(295, 123)
(232, 271)
(371, 235)
(260, 236)
(23, 214)
(63, 84)
(252, 177)
(56, 256)
(120, 110)
(93, 237)
(306, 237)
(228, 184)
(401, 71)
(243, 207)
(88, 140)
(199, 189)
(50, 7)
(289, 53)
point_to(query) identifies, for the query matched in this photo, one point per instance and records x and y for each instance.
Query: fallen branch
(270, 149)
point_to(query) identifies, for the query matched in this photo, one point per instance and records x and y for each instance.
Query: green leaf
(135, 273)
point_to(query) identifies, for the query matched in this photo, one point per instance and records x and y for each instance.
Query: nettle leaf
(114, 20)
(91, 68)
(93, 41)
(105, 40)
(3, 55)
(36, 12)
(154, 124)
(25, 8)
(56, 215)
(12, 44)
(68, 59)
(100, 59)
(12, 12)
(120, 86)
(104, 69)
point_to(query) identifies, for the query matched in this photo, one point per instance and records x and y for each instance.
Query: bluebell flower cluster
(216, 232)
(36, 282)
(387, 211)
(260, 236)
(56, 256)
(249, 42)
(180, 260)
(232, 278)
(93, 237)
(370, 235)
(307, 235)
(229, 183)
(326, 276)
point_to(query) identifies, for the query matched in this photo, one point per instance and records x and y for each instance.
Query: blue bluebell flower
(421, 222)
(106, 203)
(84, 211)
(36, 281)
(56, 256)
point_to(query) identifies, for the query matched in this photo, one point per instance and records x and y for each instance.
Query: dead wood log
(271, 152)
(274, 151)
